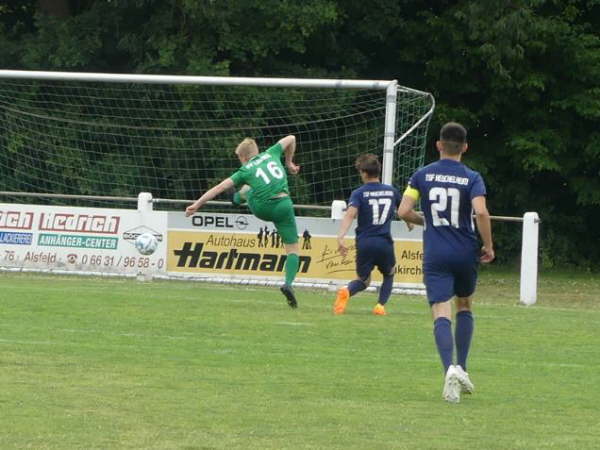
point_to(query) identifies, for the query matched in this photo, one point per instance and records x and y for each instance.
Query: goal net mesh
(176, 141)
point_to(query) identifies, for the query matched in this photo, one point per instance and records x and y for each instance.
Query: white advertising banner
(85, 240)
(220, 247)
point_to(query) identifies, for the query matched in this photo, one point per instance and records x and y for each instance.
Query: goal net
(116, 136)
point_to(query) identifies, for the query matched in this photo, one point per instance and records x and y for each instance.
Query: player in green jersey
(262, 181)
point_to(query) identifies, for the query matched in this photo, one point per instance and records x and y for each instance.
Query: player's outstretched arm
(227, 183)
(407, 212)
(350, 215)
(289, 149)
(484, 226)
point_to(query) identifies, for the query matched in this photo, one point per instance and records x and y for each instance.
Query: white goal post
(115, 135)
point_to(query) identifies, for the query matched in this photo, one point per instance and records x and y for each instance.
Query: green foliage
(523, 76)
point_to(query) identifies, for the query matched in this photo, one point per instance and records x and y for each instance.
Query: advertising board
(235, 247)
(79, 239)
(242, 246)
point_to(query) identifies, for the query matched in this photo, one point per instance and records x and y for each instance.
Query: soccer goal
(87, 140)
(91, 137)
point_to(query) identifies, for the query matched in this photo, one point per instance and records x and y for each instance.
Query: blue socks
(463, 334)
(442, 331)
(356, 286)
(386, 289)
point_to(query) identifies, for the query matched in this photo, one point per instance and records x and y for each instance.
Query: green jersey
(264, 174)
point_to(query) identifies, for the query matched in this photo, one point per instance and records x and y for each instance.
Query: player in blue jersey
(374, 204)
(449, 193)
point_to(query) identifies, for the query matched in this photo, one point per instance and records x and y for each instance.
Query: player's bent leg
(365, 262)
(344, 293)
(239, 197)
(244, 192)
(358, 285)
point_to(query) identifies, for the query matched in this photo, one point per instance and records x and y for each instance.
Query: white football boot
(452, 386)
(466, 386)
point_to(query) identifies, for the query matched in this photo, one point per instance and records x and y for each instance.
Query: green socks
(238, 199)
(292, 263)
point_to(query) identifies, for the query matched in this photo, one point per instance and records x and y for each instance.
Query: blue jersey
(376, 203)
(446, 188)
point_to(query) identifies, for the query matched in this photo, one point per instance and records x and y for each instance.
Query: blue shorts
(448, 279)
(374, 252)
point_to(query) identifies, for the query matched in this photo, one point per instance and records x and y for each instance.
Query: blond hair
(247, 148)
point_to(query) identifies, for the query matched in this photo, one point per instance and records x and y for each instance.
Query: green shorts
(280, 211)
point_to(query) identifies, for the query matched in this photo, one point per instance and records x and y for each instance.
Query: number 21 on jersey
(440, 197)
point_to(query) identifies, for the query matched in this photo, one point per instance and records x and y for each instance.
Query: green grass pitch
(113, 363)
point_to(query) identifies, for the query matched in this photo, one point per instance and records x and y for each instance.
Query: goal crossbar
(190, 79)
(175, 135)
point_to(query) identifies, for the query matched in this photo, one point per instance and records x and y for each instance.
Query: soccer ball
(146, 243)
